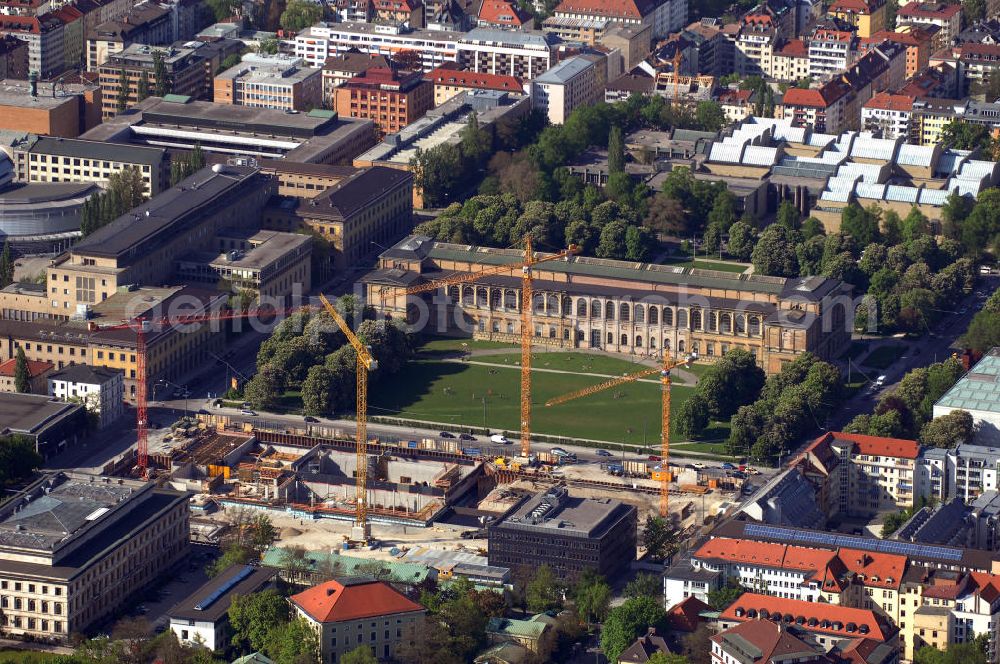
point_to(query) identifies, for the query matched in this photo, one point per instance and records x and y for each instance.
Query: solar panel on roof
(836, 540)
(224, 588)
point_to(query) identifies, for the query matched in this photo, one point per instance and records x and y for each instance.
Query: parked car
(499, 439)
(699, 465)
(466, 436)
(247, 411)
(652, 457)
(603, 453)
(445, 434)
(728, 466)
(738, 474)
(310, 418)
(689, 466)
(560, 452)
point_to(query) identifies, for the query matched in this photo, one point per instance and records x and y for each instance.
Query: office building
(73, 160)
(978, 393)
(37, 376)
(391, 99)
(523, 55)
(359, 610)
(280, 82)
(147, 23)
(202, 618)
(570, 84)
(623, 307)
(185, 68)
(100, 390)
(43, 218)
(325, 40)
(52, 425)
(664, 16)
(372, 207)
(867, 16)
(49, 109)
(75, 548)
(316, 137)
(568, 534)
(339, 69)
(449, 82)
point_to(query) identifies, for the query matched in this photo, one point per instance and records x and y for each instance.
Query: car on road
(700, 465)
(310, 418)
(653, 457)
(728, 466)
(466, 436)
(753, 471)
(603, 453)
(445, 434)
(880, 381)
(499, 439)
(247, 411)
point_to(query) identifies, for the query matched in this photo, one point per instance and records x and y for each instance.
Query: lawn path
(683, 380)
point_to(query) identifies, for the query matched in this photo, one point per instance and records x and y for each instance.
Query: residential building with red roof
(663, 16)
(765, 642)
(833, 47)
(887, 115)
(862, 475)
(73, 37)
(686, 616)
(936, 82)
(918, 43)
(390, 98)
(975, 64)
(504, 14)
(790, 61)
(449, 82)
(347, 613)
(736, 104)
(868, 16)
(45, 36)
(947, 16)
(755, 42)
(37, 376)
(824, 109)
(408, 12)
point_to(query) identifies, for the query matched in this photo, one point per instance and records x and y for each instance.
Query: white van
(499, 439)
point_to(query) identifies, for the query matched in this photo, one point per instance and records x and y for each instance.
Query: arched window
(666, 345)
(467, 295)
(566, 306)
(726, 323)
(496, 298)
(611, 338)
(741, 324)
(581, 308)
(640, 314)
(696, 319)
(754, 326)
(595, 309)
(538, 301)
(609, 310)
(713, 321)
(668, 316)
(624, 340)
(652, 342)
(638, 341)
(694, 346)
(680, 346)
(623, 311)
(453, 293)
(481, 297)
(682, 318)
(510, 299)
(654, 316)
(552, 305)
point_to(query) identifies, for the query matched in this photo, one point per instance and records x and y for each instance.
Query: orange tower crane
(143, 326)
(361, 531)
(530, 260)
(664, 371)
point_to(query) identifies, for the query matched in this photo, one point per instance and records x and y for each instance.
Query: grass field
(453, 393)
(883, 356)
(567, 361)
(704, 264)
(26, 657)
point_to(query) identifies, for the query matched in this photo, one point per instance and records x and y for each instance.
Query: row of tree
(792, 403)
(983, 332)
(732, 382)
(185, 166)
(126, 190)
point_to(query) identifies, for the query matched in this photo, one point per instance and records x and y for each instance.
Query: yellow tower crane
(664, 371)
(361, 532)
(530, 260)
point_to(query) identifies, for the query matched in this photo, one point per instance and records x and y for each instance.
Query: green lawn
(453, 393)
(567, 361)
(718, 448)
(705, 264)
(448, 344)
(26, 657)
(883, 356)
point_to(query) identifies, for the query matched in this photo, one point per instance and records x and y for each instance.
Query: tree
(627, 621)
(230, 62)
(300, 14)
(691, 418)
(142, 90)
(360, 655)
(774, 253)
(268, 46)
(6, 265)
(860, 224)
(542, 592)
(983, 332)
(22, 377)
(292, 642)
(666, 215)
(726, 595)
(592, 597)
(961, 135)
(18, 459)
(666, 658)
(657, 537)
(262, 391)
(164, 85)
(644, 585)
(616, 151)
(742, 237)
(253, 616)
(710, 116)
(712, 240)
(223, 9)
(121, 100)
(319, 391)
(788, 215)
(948, 430)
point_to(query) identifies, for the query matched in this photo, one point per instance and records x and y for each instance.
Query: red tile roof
(851, 6)
(773, 641)
(987, 585)
(608, 8)
(875, 445)
(34, 368)
(890, 102)
(684, 617)
(502, 12)
(471, 79)
(334, 601)
(815, 617)
(937, 10)
(800, 97)
(880, 570)
(735, 96)
(795, 48)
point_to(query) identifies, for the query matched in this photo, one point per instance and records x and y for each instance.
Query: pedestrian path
(683, 380)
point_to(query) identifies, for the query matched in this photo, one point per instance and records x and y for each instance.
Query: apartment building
(45, 36)
(339, 69)
(74, 41)
(755, 43)
(948, 17)
(975, 63)
(449, 82)
(280, 82)
(326, 40)
(75, 548)
(504, 14)
(824, 109)
(833, 47)
(100, 390)
(38, 373)
(390, 98)
(523, 55)
(791, 61)
(622, 307)
(185, 68)
(930, 117)
(568, 85)
(50, 159)
(348, 612)
(148, 23)
(664, 17)
(887, 115)
(372, 207)
(13, 58)
(862, 476)
(867, 16)
(918, 44)
(763, 641)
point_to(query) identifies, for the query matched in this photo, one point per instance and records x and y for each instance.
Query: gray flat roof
(497, 36)
(555, 511)
(565, 70)
(239, 119)
(43, 192)
(84, 373)
(15, 92)
(28, 413)
(234, 580)
(272, 246)
(74, 147)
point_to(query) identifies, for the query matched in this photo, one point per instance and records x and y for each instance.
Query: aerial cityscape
(500, 331)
